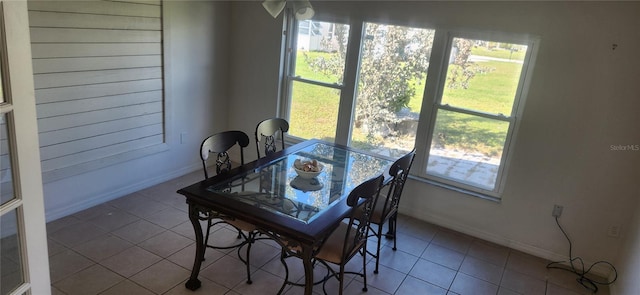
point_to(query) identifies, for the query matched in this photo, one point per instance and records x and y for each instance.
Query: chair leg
(364, 266)
(250, 241)
(379, 236)
(395, 228)
(341, 279)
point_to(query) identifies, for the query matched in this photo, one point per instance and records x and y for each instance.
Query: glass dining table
(269, 194)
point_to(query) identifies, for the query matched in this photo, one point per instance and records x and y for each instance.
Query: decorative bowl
(297, 166)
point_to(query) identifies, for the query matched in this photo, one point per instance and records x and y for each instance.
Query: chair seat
(240, 224)
(332, 248)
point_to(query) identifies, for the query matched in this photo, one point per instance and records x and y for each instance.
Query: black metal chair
(220, 144)
(386, 208)
(267, 133)
(347, 240)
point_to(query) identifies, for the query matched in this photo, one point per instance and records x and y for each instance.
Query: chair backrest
(362, 201)
(219, 144)
(267, 132)
(399, 171)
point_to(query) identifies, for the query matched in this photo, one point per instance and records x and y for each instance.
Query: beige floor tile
(168, 217)
(186, 256)
(130, 200)
(92, 280)
(185, 229)
(468, 285)
(481, 270)
(165, 244)
(208, 288)
(127, 287)
(93, 212)
(144, 243)
(553, 289)
(61, 223)
(355, 288)
(443, 256)
(527, 264)
(263, 283)
(55, 247)
(294, 264)
(411, 284)
(489, 252)
(522, 283)
(138, 231)
(161, 277)
(433, 273)
(146, 208)
(113, 219)
(505, 291)
(408, 244)
(102, 247)
(66, 263)
(398, 260)
(56, 291)
(131, 261)
(77, 234)
(452, 240)
(226, 271)
(261, 253)
(387, 279)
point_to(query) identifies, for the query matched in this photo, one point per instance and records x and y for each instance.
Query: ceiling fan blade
(274, 7)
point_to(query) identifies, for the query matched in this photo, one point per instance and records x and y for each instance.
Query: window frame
(434, 90)
(432, 95)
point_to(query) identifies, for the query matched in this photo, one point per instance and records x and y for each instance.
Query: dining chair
(267, 133)
(386, 207)
(347, 240)
(219, 145)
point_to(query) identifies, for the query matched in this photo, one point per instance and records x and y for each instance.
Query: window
(315, 79)
(461, 120)
(474, 113)
(390, 85)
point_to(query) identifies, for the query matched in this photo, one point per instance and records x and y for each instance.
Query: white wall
(583, 99)
(196, 76)
(255, 61)
(629, 260)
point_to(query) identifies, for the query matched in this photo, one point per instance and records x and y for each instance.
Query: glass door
(24, 267)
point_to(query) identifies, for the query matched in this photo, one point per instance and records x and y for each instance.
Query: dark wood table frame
(308, 235)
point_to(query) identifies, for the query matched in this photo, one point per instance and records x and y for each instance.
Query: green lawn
(499, 53)
(314, 109)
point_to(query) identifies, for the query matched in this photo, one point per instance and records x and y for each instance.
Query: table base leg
(193, 284)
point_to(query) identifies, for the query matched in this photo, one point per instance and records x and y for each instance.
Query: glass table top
(277, 187)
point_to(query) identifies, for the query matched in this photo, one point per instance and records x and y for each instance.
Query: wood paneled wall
(98, 73)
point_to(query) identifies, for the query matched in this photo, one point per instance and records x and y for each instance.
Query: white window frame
(434, 89)
(432, 96)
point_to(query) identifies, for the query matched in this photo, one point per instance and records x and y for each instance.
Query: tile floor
(143, 244)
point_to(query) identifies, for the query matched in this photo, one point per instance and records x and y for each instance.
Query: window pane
(391, 81)
(314, 111)
(467, 148)
(11, 273)
(483, 75)
(320, 52)
(6, 178)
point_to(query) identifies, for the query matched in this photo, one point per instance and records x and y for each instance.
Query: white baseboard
(117, 193)
(602, 271)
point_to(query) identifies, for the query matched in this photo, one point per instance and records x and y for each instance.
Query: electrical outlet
(614, 231)
(557, 210)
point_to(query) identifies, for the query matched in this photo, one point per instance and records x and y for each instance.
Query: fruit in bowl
(307, 169)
